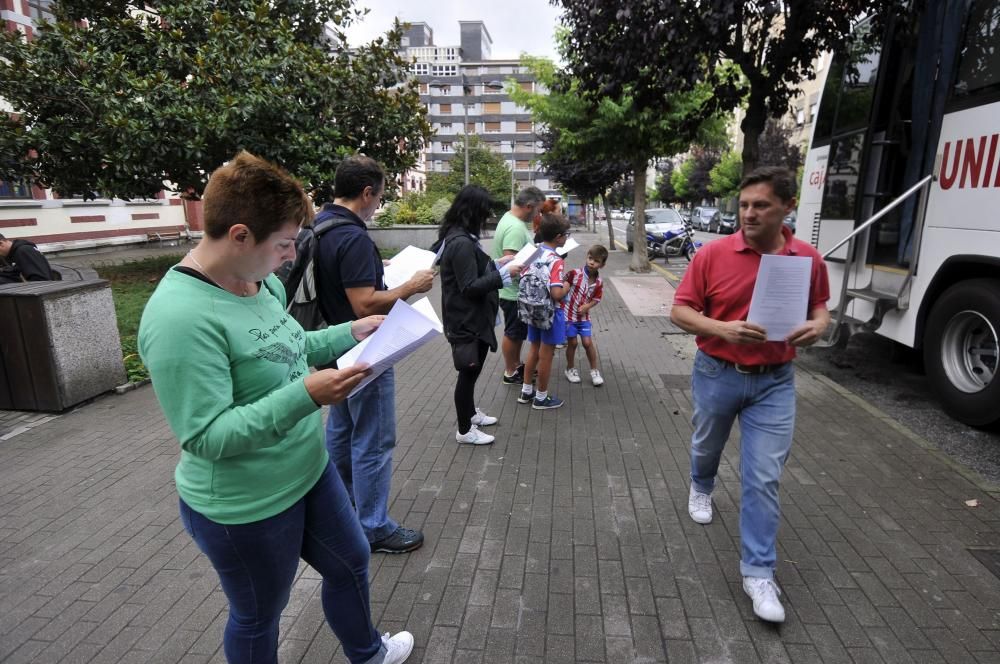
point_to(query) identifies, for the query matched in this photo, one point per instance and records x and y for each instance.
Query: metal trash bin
(59, 344)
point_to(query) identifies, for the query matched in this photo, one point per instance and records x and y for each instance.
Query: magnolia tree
(117, 99)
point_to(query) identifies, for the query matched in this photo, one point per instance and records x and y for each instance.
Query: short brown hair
(553, 225)
(781, 180)
(598, 253)
(254, 192)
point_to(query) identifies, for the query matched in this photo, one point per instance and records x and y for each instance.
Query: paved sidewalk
(566, 541)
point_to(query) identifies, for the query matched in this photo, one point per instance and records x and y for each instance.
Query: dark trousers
(465, 388)
(257, 561)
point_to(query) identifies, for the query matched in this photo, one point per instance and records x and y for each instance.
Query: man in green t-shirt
(513, 232)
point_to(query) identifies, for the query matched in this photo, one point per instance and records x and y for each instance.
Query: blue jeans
(360, 436)
(765, 405)
(256, 563)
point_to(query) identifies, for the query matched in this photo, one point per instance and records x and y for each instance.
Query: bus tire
(960, 351)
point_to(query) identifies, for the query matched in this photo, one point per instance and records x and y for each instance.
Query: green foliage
(414, 208)
(131, 99)
(724, 178)
(691, 180)
(487, 168)
(131, 285)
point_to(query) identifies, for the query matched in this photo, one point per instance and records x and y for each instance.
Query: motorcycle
(678, 240)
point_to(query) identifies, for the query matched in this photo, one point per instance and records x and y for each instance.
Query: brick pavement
(566, 541)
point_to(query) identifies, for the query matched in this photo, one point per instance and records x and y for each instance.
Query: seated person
(21, 261)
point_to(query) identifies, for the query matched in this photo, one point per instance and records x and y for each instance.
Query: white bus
(908, 133)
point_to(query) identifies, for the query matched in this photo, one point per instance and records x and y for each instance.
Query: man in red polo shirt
(737, 373)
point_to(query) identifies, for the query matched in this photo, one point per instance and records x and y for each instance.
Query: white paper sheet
(528, 253)
(570, 245)
(404, 330)
(781, 294)
(403, 265)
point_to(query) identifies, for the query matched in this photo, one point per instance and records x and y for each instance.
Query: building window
(527, 86)
(446, 147)
(15, 189)
(41, 9)
(443, 89)
(423, 88)
(491, 127)
(491, 107)
(812, 111)
(493, 89)
(470, 128)
(523, 164)
(800, 117)
(523, 126)
(421, 69)
(445, 108)
(445, 128)
(525, 146)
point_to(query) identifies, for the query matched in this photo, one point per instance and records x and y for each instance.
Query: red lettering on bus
(973, 161)
(949, 179)
(989, 162)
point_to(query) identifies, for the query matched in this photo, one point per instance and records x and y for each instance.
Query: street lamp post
(465, 125)
(512, 165)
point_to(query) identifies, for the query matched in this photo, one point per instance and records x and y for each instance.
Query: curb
(662, 270)
(128, 387)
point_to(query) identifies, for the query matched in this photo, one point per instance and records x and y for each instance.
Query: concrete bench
(166, 236)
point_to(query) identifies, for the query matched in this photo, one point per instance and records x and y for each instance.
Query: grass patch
(131, 286)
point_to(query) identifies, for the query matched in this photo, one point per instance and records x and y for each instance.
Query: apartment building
(463, 89)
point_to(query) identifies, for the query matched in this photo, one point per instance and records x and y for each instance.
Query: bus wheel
(961, 350)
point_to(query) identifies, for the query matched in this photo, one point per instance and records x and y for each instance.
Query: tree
(664, 187)
(654, 49)
(487, 168)
(724, 178)
(776, 147)
(604, 127)
(622, 194)
(133, 99)
(585, 177)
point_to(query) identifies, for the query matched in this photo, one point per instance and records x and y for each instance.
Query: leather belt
(754, 369)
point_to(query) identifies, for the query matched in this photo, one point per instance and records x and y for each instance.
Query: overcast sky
(517, 26)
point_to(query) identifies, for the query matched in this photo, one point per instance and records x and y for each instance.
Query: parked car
(790, 222)
(658, 221)
(728, 223)
(706, 219)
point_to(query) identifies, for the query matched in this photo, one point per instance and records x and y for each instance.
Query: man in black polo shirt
(361, 431)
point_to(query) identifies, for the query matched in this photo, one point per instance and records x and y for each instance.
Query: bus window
(858, 90)
(849, 88)
(840, 192)
(979, 59)
(828, 103)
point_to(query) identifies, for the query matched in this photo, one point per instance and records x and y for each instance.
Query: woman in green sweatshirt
(231, 371)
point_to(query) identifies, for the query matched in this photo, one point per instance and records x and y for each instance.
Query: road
(890, 377)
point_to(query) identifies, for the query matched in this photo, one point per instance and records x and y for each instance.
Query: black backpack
(299, 276)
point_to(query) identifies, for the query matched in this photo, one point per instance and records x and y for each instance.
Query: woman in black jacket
(470, 280)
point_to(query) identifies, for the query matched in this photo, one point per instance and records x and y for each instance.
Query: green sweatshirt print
(229, 373)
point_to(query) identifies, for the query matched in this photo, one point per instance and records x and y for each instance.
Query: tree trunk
(640, 259)
(607, 220)
(753, 127)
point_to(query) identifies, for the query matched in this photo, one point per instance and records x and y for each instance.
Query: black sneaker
(517, 378)
(526, 398)
(403, 540)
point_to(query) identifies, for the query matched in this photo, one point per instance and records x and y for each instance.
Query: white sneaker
(397, 648)
(481, 419)
(596, 378)
(474, 437)
(764, 593)
(572, 375)
(700, 506)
